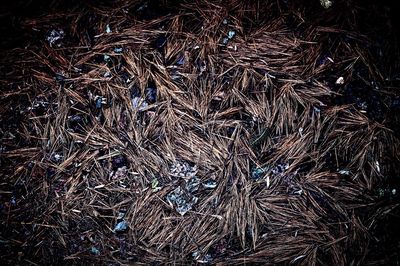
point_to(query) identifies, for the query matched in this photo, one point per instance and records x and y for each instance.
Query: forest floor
(211, 132)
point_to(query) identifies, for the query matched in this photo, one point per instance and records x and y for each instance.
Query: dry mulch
(232, 132)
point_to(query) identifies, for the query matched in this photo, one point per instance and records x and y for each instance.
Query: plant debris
(186, 132)
(95, 251)
(181, 200)
(211, 184)
(108, 29)
(121, 227)
(183, 170)
(55, 37)
(326, 3)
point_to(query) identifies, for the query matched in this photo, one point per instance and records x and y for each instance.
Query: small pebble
(210, 184)
(94, 251)
(107, 58)
(55, 36)
(340, 81)
(108, 29)
(121, 227)
(231, 34)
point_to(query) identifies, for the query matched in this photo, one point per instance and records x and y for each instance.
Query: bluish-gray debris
(176, 77)
(13, 201)
(121, 227)
(142, 7)
(183, 170)
(59, 77)
(99, 101)
(139, 103)
(94, 251)
(118, 50)
(39, 103)
(193, 184)
(257, 173)
(280, 168)
(57, 157)
(180, 61)
(55, 36)
(231, 34)
(344, 172)
(108, 29)
(121, 216)
(183, 202)
(107, 58)
(211, 184)
(207, 258)
(151, 95)
(326, 3)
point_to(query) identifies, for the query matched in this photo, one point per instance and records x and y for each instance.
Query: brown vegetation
(210, 132)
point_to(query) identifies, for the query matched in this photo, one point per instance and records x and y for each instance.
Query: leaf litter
(199, 132)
